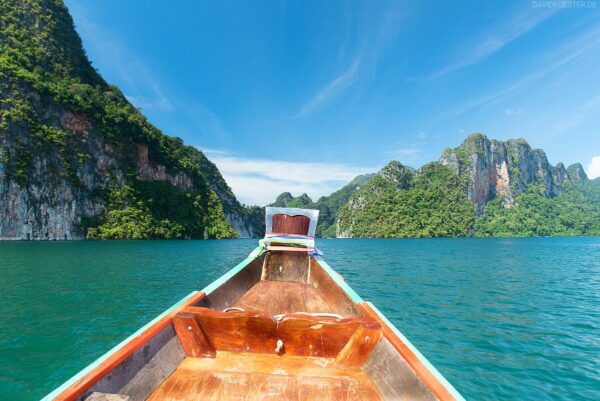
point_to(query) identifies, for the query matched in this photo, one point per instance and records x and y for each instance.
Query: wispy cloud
(213, 152)
(572, 51)
(371, 41)
(496, 39)
(115, 59)
(137, 80)
(157, 100)
(586, 110)
(407, 155)
(333, 89)
(259, 181)
(593, 168)
(512, 112)
(203, 121)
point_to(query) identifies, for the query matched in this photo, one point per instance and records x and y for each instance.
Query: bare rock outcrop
(505, 168)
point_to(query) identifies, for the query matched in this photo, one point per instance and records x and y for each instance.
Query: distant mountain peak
(482, 187)
(398, 174)
(505, 168)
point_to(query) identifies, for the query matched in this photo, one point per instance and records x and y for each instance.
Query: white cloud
(513, 112)
(496, 39)
(569, 53)
(259, 181)
(411, 156)
(582, 113)
(213, 152)
(593, 169)
(373, 33)
(421, 135)
(333, 89)
(112, 56)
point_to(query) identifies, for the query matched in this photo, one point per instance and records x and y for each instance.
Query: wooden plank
(358, 349)
(281, 297)
(286, 266)
(272, 364)
(322, 388)
(243, 376)
(257, 332)
(192, 337)
(316, 336)
(233, 285)
(437, 388)
(248, 331)
(330, 292)
(393, 377)
(95, 374)
(272, 388)
(144, 370)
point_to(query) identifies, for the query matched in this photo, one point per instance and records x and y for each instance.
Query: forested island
(483, 188)
(79, 161)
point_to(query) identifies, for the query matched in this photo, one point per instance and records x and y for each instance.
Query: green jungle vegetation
(434, 204)
(328, 206)
(575, 211)
(44, 67)
(44, 70)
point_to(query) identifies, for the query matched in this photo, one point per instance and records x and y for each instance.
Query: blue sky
(301, 96)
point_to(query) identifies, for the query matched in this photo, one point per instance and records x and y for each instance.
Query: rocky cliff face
(45, 203)
(495, 168)
(398, 174)
(480, 168)
(69, 142)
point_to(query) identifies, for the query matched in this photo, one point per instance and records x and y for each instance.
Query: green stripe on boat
(98, 361)
(421, 357)
(218, 282)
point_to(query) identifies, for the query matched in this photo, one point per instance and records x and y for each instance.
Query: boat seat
(204, 331)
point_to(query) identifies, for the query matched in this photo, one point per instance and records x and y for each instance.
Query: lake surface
(502, 319)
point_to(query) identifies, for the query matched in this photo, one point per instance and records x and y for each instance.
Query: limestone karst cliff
(77, 159)
(482, 187)
(505, 169)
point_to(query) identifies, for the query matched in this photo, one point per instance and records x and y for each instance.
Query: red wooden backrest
(285, 224)
(204, 331)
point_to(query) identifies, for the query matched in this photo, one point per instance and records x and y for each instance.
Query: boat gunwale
(393, 335)
(421, 366)
(91, 374)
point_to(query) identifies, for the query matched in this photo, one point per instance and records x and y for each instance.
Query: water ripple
(502, 319)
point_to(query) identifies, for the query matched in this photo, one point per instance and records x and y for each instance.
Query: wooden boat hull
(218, 343)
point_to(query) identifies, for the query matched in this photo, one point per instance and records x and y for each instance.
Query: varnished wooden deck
(248, 377)
(276, 297)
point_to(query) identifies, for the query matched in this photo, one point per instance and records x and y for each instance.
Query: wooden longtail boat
(281, 325)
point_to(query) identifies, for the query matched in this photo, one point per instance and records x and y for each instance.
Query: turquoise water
(502, 319)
